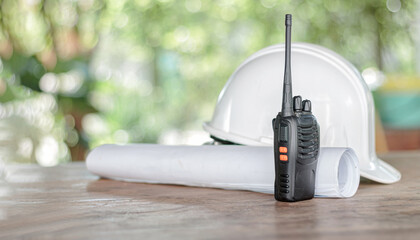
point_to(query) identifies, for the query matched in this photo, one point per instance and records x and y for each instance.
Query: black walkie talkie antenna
(287, 107)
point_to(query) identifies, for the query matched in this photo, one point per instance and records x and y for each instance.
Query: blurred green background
(75, 74)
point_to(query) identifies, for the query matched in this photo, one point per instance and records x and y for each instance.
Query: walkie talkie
(296, 140)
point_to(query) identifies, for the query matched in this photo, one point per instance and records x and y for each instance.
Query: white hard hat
(341, 102)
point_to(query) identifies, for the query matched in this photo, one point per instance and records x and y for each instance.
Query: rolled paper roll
(337, 173)
(219, 166)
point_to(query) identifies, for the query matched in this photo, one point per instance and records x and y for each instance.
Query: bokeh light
(75, 74)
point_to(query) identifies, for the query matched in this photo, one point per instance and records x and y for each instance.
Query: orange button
(283, 149)
(283, 157)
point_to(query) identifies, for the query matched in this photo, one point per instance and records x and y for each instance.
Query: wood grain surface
(66, 202)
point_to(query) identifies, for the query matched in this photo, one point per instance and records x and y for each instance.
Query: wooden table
(67, 202)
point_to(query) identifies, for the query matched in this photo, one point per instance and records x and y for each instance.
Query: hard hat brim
(380, 171)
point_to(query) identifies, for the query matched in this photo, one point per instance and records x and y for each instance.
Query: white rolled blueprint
(219, 166)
